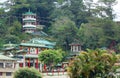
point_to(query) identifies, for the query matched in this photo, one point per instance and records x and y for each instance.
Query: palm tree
(92, 64)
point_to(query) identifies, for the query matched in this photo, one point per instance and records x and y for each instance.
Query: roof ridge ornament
(29, 10)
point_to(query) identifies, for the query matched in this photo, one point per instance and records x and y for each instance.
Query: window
(1, 73)
(8, 65)
(39, 50)
(32, 50)
(8, 73)
(1, 65)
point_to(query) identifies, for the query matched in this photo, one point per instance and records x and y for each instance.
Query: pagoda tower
(29, 22)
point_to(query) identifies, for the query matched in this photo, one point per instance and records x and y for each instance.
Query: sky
(116, 9)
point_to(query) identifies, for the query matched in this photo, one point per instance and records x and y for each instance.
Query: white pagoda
(29, 22)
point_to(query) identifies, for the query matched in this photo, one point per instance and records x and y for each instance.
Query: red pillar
(58, 71)
(20, 47)
(29, 62)
(52, 71)
(37, 63)
(45, 67)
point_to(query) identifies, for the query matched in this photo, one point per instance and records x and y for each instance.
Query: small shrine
(75, 47)
(75, 50)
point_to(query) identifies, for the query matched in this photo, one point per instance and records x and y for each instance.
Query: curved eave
(31, 56)
(29, 26)
(31, 19)
(28, 56)
(29, 13)
(35, 45)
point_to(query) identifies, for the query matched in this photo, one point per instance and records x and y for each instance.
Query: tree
(92, 64)
(98, 33)
(51, 57)
(3, 29)
(16, 28)
(11, 38)
(64, 31)
(27, 73)
(105, 8)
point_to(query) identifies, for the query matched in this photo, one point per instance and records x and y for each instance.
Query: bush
(27, 73)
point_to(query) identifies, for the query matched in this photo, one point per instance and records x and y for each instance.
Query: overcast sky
(116, 9)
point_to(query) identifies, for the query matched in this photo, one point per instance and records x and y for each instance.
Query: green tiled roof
(28, 56)
(31, 56)
(37, 42)
(2, 57)
(29, 13)
(29, 21)
(10, 45)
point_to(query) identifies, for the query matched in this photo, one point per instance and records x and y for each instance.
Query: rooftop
(29, 13)
(2, 57)
(39, 42)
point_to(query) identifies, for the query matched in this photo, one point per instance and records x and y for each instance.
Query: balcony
(29, 26)
(7, 69)
(29, 18)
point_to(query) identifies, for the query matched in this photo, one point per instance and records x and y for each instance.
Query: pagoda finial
(29, 10)
(9, 42)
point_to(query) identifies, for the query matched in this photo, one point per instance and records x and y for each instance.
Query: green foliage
(51, 57)
(11, 38)
(15, 29)
(107, 8)
(1, 42)
(27, 73)
(93, 64)
(64, 30)
(98, 33)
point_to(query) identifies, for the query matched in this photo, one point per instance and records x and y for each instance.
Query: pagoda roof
(29, 13)
(2, 57)
(40, 33)
(29, 20)
(38, 42)
(75, 44)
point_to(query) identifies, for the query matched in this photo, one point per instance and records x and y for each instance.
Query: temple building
(33, 47)
(29, 22)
